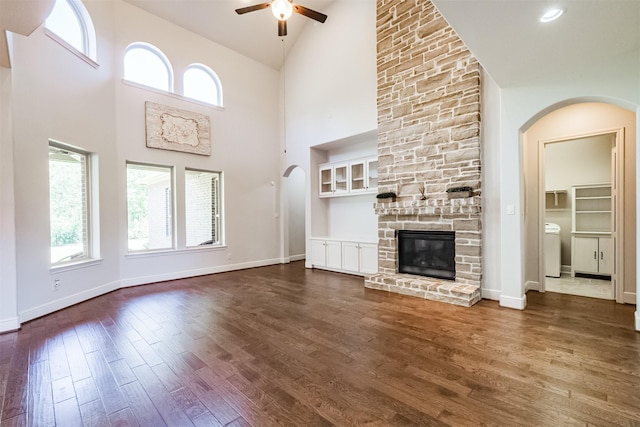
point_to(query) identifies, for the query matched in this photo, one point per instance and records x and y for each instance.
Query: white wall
(296, 189)
(331, 96)
(8, 288)
(614, 82)
(57, 95)
(491, 226)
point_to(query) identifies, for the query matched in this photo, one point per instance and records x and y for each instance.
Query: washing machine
(551, 250)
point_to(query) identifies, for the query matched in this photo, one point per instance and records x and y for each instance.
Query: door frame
(617, 193)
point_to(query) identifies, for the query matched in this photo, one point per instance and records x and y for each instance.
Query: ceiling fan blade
(282, 27)
(320, 17)
(252, 8)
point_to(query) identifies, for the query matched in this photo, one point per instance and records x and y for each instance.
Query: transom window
(69, 211)
(201, 83)
(70, 22)
(147, 65)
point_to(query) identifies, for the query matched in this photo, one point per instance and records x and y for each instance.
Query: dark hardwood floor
(283, 345)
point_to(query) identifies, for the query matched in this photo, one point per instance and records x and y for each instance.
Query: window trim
(221, 235)
(160, 54)
(172, 183)
(89, 53)
(92, 253)
(214, 78)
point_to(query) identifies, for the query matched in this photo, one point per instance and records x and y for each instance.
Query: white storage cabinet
(592, 249)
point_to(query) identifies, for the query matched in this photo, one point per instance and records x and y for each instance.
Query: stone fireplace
(428, 143)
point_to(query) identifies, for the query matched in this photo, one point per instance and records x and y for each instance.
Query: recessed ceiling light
(552, 14)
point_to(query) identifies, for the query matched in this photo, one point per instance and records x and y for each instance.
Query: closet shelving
(591, 243)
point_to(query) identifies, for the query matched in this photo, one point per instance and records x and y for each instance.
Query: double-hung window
(69, 204)
(150, 207)
(202, 207)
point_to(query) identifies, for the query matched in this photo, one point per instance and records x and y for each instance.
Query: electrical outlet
(56, 284)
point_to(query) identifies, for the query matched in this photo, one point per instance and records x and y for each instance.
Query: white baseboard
(492, 294)
(9, 324)
(629, 297)
(530, 285)
(297, 257)
(50, 307)
(637, 320)
(67, 301)
(565, 269)
(513, 302)
(145, 280)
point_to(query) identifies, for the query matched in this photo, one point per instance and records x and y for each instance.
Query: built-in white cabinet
(592, 255)
(345, 256)
(347, 178)
(591, 208)
(592, 249)
(326, 253)
(360, 257)
(334, 179)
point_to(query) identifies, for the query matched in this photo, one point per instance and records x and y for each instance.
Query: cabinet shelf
(591, 242)
(358, 176)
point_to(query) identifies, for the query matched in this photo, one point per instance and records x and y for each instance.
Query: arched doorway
(580, 122)
(294, 236)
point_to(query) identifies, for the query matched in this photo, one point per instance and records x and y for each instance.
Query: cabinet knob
(601, 255)
(595, 254)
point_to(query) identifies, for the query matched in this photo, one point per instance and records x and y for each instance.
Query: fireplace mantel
(463, 206)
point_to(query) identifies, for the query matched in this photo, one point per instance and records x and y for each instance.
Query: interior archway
(294, 237)
(566, 121)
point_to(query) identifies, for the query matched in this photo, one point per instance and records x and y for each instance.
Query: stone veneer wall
(428, 134)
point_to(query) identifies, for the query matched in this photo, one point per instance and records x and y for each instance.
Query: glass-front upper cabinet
(354, 177)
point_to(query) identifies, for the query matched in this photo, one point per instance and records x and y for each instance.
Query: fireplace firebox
(427, 253)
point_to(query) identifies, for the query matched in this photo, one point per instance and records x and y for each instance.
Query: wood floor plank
(285, 345)
(166, 405)
(93, 414)
(145, 412)
(105, 382)
(68, 413)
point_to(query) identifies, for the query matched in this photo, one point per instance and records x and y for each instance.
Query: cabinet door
(326, 180)
(605, 255)
(585, 254)
(340, 178)
(358, 178)
(318, 253)
(372, 175)
(350, 256)
(334, 254)
(368, 258)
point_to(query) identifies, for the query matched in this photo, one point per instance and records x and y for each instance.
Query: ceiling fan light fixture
(282, 9)
(552, 14)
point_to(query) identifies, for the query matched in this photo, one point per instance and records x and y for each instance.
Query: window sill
(172, 94)
(75, 265)
(166, 252)
(53, 36)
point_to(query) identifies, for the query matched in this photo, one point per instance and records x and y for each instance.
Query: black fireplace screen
(427, 253)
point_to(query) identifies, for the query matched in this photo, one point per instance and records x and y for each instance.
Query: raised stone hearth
(428, 143)
(459, 215)
(422, 287)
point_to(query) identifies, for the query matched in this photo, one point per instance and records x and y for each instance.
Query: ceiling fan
(282, 10)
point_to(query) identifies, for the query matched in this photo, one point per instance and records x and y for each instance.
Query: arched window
(201, 83)
(147, 65)
(70, 22)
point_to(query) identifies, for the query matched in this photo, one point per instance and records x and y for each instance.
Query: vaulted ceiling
(253, 34)
(505, 35)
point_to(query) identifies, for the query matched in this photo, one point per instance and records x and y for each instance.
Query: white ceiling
(253, 34)
(516, 49)
(504, 35)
